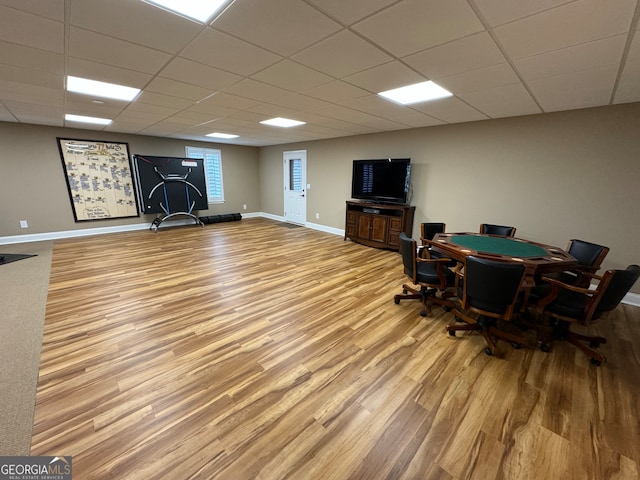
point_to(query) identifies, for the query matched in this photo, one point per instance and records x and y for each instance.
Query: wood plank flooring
(249, 350)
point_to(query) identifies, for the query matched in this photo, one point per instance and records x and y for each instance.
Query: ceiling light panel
(200, 10)
(101, 89)
(416, 93)
(282, 122)
(82, 119)
(222, 135)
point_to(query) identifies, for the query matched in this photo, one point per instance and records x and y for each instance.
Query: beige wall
(33, 187)
(555, 176)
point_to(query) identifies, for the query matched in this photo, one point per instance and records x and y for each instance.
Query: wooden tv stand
(377, 225)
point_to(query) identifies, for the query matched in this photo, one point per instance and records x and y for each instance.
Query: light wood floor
(251, 350)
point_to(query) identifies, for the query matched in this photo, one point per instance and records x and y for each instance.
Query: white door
(295, 187)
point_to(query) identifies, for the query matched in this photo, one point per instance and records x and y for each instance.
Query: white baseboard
(630, 298)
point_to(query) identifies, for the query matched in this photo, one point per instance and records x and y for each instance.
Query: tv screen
(381, 180)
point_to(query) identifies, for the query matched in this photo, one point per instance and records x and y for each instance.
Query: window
(295, 175)
(212, 171)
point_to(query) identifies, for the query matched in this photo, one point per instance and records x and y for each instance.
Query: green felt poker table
(537, 257)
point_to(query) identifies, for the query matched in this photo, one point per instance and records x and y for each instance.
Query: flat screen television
(381, 180)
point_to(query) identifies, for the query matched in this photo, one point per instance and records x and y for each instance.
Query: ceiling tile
(291, 76)
(450, 110)
(564, 26)
(28, 57)
(36, 113)
(82, 105)
(163, 100)
(111, 51)
(422, 24)
(6, 115)
(31, 30)
(469, 53)
(30, 94)
(281, 26)
(230, 101)
(586, 88)
(197, 74)
(143, 23)
(26, 76)
(107, 73)
(497, 12)
(573, 59)
(379, 107)
(53, 9)
(342, 54)
(629, 86)
(220, 50)
(506, 101)
(350, 11)
(258, 91)
(481, 79)
(173, 88)
(335, 91)
(385, 77)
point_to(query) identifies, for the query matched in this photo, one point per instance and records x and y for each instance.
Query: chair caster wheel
(404, 291)
(452, 333)
(596, 362)
(423, 313)
(447, 309)
(545, 348)
(594, 344)
(458, 319)
(396, 300)
(488, 351)
(516, 345)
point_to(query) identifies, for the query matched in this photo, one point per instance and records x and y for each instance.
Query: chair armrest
(556, 285)
(566, 286)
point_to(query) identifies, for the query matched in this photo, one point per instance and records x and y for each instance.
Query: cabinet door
(364, 226)
(379, 228)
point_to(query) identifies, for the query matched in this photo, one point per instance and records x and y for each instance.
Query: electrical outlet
(24, 224)
(244, 206)
(317, 216)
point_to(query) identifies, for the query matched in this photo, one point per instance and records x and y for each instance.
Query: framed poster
(99, 179)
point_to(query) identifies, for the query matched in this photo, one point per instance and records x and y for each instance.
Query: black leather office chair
(428, 230)
(589, 256)
(503, 230)
(429, 277)
(490, 291)
(569, 304)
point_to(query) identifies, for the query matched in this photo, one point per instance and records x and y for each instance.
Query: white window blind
(212, 171)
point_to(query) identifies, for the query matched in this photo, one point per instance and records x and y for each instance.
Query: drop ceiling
(317, 61)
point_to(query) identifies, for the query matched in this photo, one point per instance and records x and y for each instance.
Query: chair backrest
(492, 286)
(504, 230)
(408, 248)
(429, 229)
(618, 285)
(587, 254)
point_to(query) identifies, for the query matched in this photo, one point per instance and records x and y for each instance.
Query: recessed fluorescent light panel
(101, 89)
(282, 122)
(418, 92)
(221, 135)
(200, 10)
(79, 118)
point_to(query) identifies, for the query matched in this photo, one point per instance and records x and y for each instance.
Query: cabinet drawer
(395, 225)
